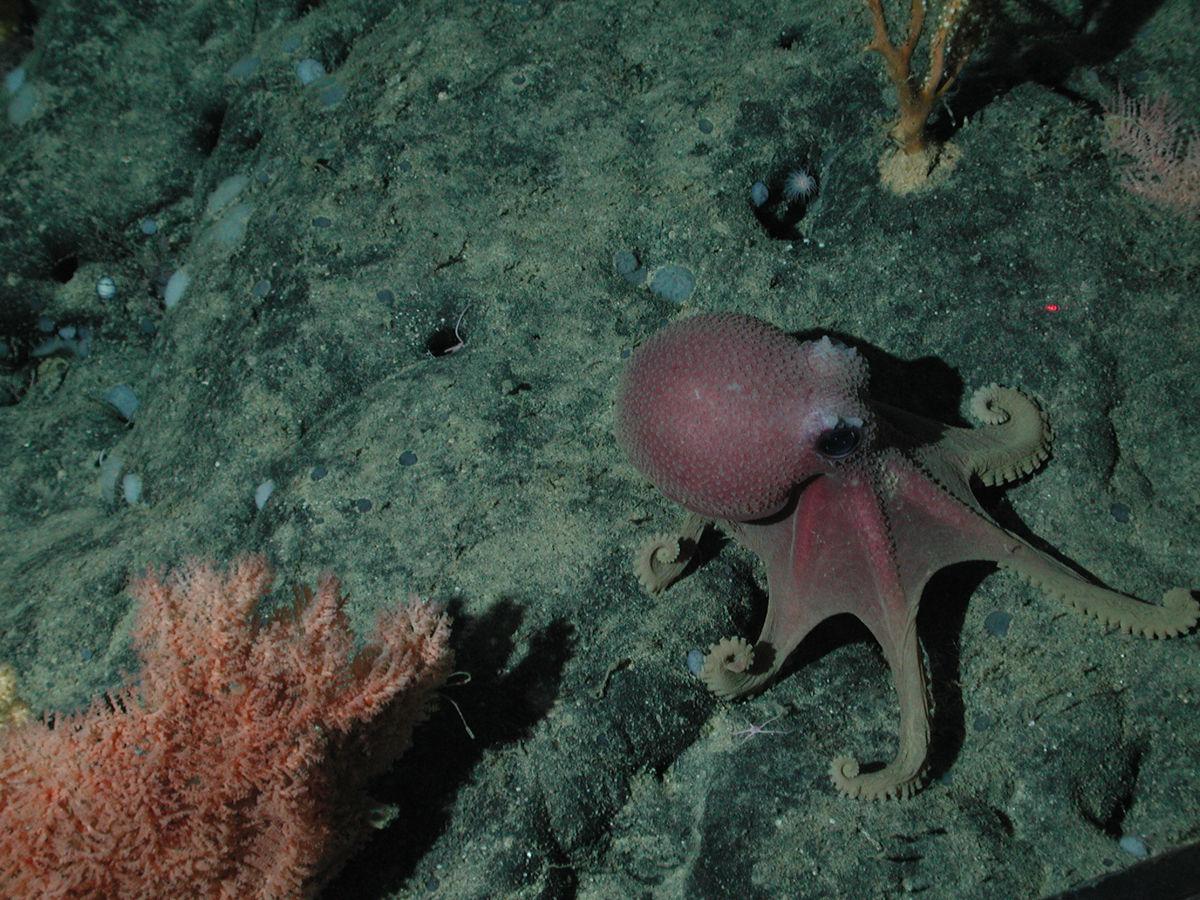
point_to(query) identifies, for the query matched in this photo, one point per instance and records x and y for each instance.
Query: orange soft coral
(235, 766)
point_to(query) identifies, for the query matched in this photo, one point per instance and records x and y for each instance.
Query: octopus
(850, 503)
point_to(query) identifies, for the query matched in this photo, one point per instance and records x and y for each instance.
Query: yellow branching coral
(957, 30)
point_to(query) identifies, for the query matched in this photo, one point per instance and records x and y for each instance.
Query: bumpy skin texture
(852, 505)
(722, 412)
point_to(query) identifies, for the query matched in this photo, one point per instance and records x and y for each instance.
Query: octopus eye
(839, 441)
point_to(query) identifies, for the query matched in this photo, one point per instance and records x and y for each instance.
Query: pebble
(121, 397)
(263, 493)
(1133, 845)
(176, 285)
(996, 623)
(626, 264)
(309, 70)
(674, 283)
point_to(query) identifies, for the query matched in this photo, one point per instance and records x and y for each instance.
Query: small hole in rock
(445, 341)
(62, 269)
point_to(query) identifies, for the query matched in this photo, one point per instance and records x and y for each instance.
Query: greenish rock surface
(493, 158)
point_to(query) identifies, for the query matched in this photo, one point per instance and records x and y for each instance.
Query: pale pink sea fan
(1161, 147)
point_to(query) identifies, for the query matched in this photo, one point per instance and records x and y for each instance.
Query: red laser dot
(1051, 308)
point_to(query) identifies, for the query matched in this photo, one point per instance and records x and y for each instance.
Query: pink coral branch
(236, 765)
(1163, 151)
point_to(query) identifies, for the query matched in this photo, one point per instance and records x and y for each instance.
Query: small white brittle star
(750, 732)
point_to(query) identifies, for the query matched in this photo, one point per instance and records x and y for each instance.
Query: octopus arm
(733, 668)
(1177, 614)
(661, 560)
(902, 777)
(1014, 440)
